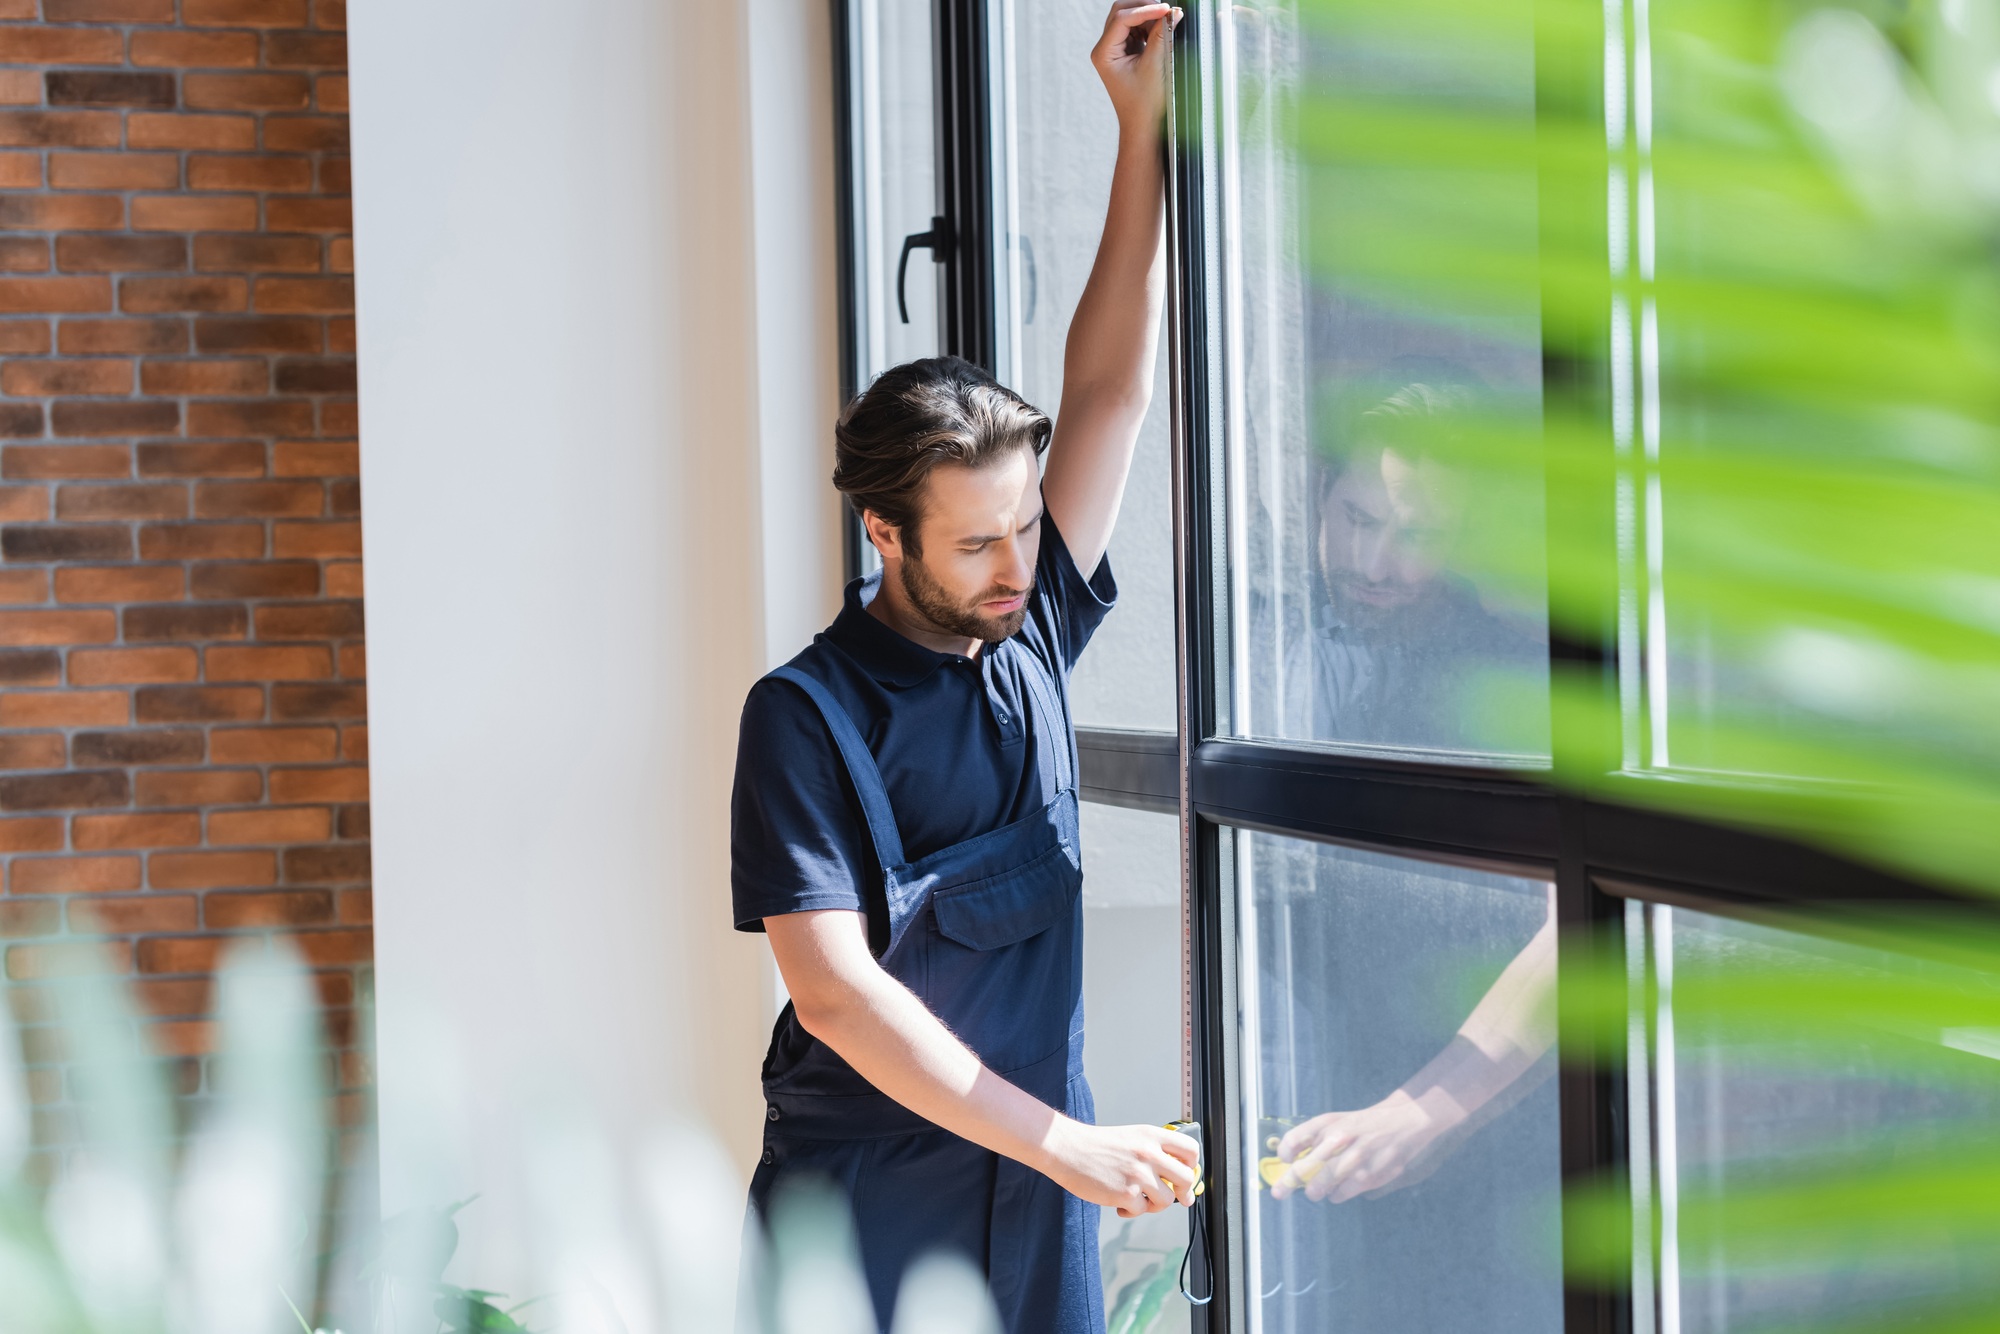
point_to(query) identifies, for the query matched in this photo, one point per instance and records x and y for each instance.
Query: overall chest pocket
(1013, 906)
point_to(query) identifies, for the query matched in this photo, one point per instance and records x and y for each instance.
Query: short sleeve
(1068, 608)
(796, 835)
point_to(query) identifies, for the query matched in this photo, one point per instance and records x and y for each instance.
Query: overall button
(770, 1156)
(772, 1114)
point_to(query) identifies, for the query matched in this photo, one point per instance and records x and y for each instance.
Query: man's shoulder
(1065, 607)
(777, 705)
(778, 708)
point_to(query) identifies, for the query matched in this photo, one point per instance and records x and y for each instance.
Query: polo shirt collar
(881, 652)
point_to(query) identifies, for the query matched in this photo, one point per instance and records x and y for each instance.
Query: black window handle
(937, 240)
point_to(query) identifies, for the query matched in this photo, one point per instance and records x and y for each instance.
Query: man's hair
(917, 417)
(1417, 419)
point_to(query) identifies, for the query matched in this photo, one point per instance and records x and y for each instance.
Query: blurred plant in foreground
(1759, 239)
(1815, 1111)
(1139, 1304)
(139, 1233)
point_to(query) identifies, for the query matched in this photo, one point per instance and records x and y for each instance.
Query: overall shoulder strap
(861, 768)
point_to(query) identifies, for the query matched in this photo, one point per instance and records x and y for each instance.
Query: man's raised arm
(1108, 360)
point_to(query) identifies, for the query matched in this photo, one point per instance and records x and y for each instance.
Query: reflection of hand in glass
(1397, 1142)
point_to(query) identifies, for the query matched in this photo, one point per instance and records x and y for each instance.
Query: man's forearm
(1510, 1030)
(1114, 333)
(1108, 366)
(900, 1047)
(843, 997)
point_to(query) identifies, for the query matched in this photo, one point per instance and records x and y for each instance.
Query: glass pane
(895, 181)
(1810, 498)
(1827, 1121)
(1132, 1053)
(1385, 509)
(1397, 1041)
(1055, 170)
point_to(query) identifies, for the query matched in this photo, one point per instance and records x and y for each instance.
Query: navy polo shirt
(949, 733)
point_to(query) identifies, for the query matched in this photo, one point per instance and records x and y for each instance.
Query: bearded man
(904, 824)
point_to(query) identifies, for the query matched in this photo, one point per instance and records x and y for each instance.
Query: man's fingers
(1304, 1169)
(1318, 1150)
(1340, 1170)
(1304, 1136)
(1361, 1181)
(1312, 1171)
(1125, 17)
(1180, 1177)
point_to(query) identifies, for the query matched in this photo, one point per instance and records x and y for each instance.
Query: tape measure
(1271, 1170)
(1192, 1129)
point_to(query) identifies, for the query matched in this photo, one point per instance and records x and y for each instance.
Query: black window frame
(1600, 853)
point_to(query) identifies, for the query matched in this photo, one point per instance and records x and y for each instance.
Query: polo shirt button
(770, 1156)
(772, 1114)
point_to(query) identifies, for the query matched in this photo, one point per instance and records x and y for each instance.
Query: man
(904, 820)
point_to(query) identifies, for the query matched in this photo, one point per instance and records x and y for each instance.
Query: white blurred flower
(1840, 674)
(816, 1264)
(251, 1184)
(1840, 72)
(240, 1229)
(944, 1294)
(106, 1228)
(14, 1117)
(694, 1199)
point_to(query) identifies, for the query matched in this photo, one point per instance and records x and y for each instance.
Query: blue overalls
(989, 934)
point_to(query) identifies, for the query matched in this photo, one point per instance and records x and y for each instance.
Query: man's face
(1385, 530)
(980, 530)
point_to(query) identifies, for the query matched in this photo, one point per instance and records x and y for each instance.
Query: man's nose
(1376, 554)
(1016, 572)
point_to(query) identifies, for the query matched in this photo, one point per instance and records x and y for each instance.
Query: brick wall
(183, 745)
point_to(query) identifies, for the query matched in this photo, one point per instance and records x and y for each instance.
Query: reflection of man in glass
(1394, 650)
(1394, 643)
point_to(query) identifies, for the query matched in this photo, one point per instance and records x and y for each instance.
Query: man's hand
(1134, 1169)
(1338, 1156)
(1131, 58)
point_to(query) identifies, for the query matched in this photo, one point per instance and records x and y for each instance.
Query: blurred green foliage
(1758, 238)
(1759, 241)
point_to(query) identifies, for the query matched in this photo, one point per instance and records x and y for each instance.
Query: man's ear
(887, 538)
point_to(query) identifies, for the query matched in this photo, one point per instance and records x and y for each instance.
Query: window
(1132, 1000)
(1382, 382)
(1409, 1006)
(1056, 130)
(1777, 1133)
(891, 186)
(1559, 598)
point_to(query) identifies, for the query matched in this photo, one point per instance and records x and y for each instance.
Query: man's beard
(960, 618)
(1374, 622)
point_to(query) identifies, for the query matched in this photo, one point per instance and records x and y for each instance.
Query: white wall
(597, 376)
